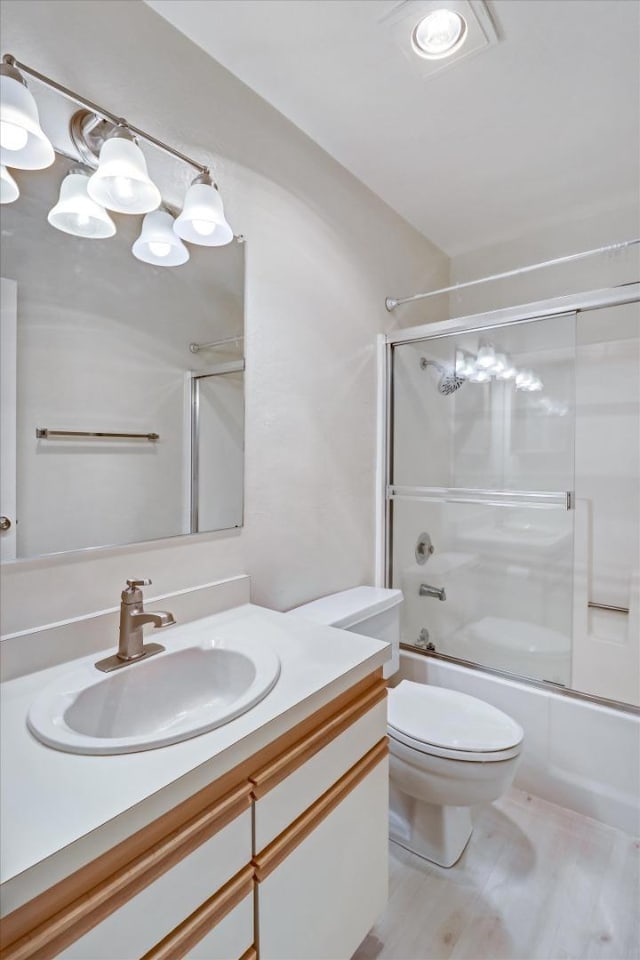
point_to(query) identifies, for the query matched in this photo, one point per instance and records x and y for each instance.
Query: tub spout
(426, 590)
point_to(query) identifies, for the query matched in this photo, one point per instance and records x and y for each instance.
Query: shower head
(449, 380)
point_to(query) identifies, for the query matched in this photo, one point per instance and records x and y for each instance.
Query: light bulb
(524, 379)
(159, 249)
(158, 244)
(76, 213)
(439, 34)
(23, 143)
(122, 182)
(122, 188)
(12, 137)
(486, 358)
(508, 371)
(203, 227)
(202, 220)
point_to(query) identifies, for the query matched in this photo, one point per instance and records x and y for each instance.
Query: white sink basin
(175, 695)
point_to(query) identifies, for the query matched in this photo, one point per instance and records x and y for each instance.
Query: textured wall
(322, 254)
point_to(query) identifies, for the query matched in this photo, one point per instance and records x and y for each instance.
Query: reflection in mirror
(99, 342)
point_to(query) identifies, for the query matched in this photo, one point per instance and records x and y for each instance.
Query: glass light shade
(76, 213)
(500, 364)
(524, 379)
(534, 385)
(486, 358)
(480, 376)
(507, 370)
(202, 220)
(465, 365)
(439, 34)
(8, 187)
(121, 182)
(23, 143)
(158, 243)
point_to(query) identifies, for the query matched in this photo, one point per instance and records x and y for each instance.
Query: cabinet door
(143, 920)
(295, 780)
(323, 883)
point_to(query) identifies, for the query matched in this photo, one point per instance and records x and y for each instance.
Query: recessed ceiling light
(439, 34)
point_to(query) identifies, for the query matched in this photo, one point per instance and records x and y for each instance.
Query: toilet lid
(449, 719)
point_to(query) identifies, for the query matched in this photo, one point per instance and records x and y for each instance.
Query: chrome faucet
(131, 646)
(426, 590)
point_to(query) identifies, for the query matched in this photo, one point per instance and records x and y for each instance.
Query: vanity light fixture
(524, 379)
(486, 358)
(480, 376)
(507, 370)
(9, 190)
(122, 182)
(158, 243)
(465, 364)
(439, 34)
(23, 143)
(202, 220)
(77, 213)
(110, 146)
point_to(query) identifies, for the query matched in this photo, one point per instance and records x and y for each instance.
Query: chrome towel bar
(43, 433)
(607, 606)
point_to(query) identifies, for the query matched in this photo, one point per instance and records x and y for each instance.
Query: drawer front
(220, 929)
(325, 894)
(231, 938)
(142, 921)
(278, 805)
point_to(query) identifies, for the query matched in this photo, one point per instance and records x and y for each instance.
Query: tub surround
(63, 810)
(577, 754)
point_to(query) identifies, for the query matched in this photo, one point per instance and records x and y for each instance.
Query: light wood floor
(536, 882)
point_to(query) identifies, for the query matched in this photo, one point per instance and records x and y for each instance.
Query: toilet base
(434, 832)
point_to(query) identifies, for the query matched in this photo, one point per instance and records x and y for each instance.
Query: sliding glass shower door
(481, 480)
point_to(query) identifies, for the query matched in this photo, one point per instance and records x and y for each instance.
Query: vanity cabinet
(285, 856)
(322, 885)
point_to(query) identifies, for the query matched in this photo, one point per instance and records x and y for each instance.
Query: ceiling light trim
(479, 34)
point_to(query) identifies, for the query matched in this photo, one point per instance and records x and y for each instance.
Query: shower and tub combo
(510, 520)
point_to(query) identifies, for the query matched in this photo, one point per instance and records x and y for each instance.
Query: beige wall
(560, 239)
(322, 254)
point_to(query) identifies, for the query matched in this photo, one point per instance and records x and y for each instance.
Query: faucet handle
(134, 584)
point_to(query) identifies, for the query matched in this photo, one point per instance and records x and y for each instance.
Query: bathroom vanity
(264, 838)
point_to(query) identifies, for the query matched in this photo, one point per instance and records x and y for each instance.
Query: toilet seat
(445, 723)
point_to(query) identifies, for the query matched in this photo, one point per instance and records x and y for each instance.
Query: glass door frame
(386, 492)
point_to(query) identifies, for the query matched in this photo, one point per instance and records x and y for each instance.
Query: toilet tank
(372, 611)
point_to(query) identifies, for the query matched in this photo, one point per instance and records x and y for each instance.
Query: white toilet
(449, 751)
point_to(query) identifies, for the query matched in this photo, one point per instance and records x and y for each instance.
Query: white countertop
(60, 810)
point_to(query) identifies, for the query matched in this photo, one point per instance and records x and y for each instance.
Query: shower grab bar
(607, 606)
(43, 433)
(562, 498)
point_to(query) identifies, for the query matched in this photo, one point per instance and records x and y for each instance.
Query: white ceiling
(541, 128)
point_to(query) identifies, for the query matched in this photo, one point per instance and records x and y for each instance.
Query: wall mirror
(123, 409)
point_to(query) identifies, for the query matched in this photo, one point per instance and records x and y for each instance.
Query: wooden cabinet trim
(251, 954)
(299, 753)
(46, 939)
(65, 909)
(178, 943)
(280, 848)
